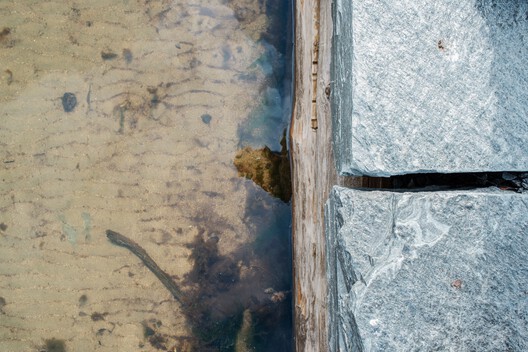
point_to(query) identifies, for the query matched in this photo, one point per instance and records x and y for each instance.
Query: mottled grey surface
(428, 271)
(430, 86)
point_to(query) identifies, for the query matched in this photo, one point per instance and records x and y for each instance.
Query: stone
(69, 102)
(206, 118)
(268, 169)
(429, 87)
(127, 55)
(427, 271)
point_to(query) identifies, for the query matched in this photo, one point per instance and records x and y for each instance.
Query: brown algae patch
(231, 296)
(54, 345)
(268, 169)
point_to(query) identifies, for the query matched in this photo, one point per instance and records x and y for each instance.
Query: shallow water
(166, 92)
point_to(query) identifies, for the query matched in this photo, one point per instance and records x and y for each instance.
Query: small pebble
(69, 102)
(127, 55)
(457, 284)
(98, 316)
(8, 76)
(5, 32)
(206, 118)
(108, 55)
(82, 300)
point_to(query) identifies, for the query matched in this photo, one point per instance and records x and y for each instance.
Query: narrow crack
(513, 181)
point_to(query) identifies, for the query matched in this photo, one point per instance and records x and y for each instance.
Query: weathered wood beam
(313, 170)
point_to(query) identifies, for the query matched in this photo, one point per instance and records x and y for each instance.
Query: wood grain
(313, 171)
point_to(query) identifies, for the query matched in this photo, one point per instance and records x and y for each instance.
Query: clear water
(166, 92)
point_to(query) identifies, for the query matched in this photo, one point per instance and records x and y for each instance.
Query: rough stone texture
(424, 86)
(427, 271)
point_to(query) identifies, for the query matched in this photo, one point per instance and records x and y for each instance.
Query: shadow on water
(129, 101)
(273, 247)
(242, 301)
(266, 122)
(252, 284)
(239, 301)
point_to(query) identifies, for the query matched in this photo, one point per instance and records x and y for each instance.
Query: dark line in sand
(120, 240)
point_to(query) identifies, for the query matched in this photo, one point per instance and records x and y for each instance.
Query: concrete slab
(427, 271)
(421, 86)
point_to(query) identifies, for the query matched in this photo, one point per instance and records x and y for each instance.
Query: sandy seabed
(161, 87)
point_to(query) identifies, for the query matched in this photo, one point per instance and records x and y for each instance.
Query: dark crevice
(513, 181)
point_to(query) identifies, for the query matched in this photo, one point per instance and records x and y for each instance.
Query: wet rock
(69, 102)
(270, 170)
(429, 271)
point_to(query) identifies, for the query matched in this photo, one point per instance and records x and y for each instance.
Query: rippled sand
(161, 89)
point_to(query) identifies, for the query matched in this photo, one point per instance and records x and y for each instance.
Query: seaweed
(155, 339)
(219, 303)
(54, 345)
(268, 169)
(229, 309)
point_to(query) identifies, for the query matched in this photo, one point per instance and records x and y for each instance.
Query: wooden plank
(313, 170)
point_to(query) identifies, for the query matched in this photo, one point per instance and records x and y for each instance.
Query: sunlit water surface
(166, 92)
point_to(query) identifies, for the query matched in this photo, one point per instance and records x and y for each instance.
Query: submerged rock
(69, 102)
(206, 118)
(428, 271)
(270, 170)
